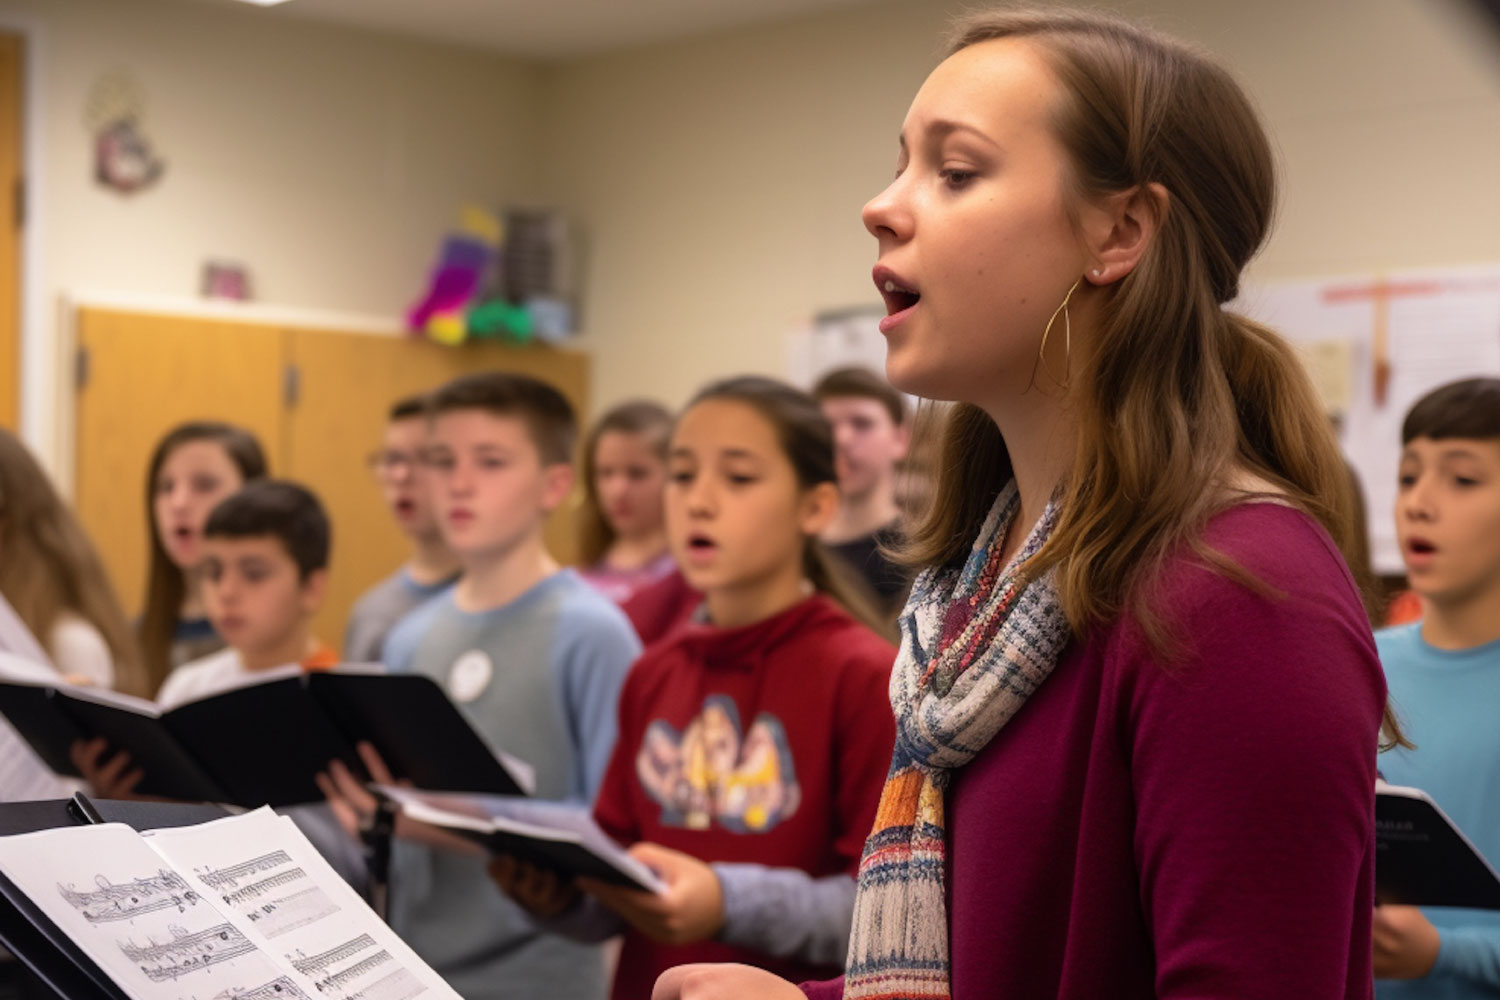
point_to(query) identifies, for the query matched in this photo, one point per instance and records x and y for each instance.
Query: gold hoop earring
(1041, 354)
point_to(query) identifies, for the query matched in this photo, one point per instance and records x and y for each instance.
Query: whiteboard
(1377, 344)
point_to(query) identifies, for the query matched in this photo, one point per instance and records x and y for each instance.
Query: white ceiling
(546, 29)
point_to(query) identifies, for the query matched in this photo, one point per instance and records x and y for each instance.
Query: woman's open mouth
(900, 296)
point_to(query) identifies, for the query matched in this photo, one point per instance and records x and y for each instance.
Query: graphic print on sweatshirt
(714, 771)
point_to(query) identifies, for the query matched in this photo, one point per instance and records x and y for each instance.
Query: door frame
(36, 367)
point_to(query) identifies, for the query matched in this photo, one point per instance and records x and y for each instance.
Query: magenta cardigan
(1205, 830)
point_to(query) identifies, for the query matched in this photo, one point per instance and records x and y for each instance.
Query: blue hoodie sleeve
(595, 649)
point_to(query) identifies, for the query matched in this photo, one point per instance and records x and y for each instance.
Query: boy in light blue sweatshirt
(1444, 678)
(533, 655)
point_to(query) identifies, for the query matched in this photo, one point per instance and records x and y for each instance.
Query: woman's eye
(742, 480)
(1406, 480)
(954, 177)
(681, 477)
(1465, 481)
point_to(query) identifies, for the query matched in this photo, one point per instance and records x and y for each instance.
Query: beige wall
(721, 180)
(718, 181)
(329, 161)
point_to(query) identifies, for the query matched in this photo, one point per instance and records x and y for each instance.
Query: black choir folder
(1423, 859)
(262, 741)
(560, 836)
(242, 908)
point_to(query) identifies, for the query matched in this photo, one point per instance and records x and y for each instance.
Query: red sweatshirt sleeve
(1253, 766)
(613, 810)
(866, 736)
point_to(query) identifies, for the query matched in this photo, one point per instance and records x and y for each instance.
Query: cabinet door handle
(291, 385)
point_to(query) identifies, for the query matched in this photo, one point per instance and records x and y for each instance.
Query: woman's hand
(538, 891)
(722, 982)
(1406, 943)
(691, 909)
(110, 779)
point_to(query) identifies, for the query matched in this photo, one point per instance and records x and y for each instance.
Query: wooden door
(140, 375)
(346, 383)
(11, 55)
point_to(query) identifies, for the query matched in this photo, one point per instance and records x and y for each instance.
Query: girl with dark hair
(1137, 701)
(623, 539)
(194, 466)
(752, 740)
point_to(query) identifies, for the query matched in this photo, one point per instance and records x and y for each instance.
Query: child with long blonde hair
(622, 538)
(53, 578)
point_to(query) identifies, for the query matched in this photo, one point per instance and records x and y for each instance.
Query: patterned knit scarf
(975, 644)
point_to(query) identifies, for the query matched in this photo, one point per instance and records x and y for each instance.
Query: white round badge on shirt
(470, 675)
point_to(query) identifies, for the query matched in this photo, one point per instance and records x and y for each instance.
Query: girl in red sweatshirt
(754, 740)
(1137, 701)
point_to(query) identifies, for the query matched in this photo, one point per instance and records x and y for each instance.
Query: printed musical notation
(371, 973)
(220, 879)
(288, 913)
(284, 899)
(113, 901)
(397, 985)
(275, 887)
(188, 951)
(322, 962)
(255, 890)
(281, 988)
(355, 972)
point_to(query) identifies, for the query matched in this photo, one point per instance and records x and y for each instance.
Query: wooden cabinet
(12, 201)
(317, 399)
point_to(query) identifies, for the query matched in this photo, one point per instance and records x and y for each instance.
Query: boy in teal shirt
(534, 657)
(1444, 679)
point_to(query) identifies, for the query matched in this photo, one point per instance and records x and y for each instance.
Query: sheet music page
(538, 818)
(152, 932)
(281, 894)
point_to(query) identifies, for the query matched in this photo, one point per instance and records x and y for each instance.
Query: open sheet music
(561, 836)
(242, 908)
(214, 748)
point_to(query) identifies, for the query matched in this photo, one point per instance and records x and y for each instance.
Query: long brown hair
(165, 586)
(1177, 395)
(806, 437)
(651, 421)
(49, 567)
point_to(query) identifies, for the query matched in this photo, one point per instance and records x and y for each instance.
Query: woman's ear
(819, 505)
(1120, 228)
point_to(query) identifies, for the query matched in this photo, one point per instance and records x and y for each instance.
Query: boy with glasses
(432, 567)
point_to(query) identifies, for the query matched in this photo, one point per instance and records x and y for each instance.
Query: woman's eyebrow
(943, 127)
